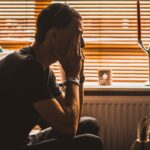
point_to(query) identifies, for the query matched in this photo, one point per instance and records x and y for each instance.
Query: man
(29, 90)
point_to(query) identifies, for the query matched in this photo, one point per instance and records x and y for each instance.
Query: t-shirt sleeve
(53, 85)
(34, 80)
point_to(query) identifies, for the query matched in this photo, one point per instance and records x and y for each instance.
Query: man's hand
(72, 62)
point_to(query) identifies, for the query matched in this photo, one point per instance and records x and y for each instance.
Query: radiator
(118, 117)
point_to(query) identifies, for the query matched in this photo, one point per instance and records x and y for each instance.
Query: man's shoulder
(12, 60)
(16, 56)
(16, 63)
(13, 57)
(23, 54)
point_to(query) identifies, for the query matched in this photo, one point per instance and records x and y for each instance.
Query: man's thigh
(87, 125)
(80, 142)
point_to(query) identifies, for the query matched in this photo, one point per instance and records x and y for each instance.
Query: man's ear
(51, 36)
(51, 33)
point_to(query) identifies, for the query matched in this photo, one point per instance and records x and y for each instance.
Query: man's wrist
(82, 79)
(72, 80)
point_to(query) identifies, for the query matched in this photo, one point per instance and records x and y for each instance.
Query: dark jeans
(86, 138)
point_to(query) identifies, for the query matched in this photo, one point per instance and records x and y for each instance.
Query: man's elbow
(68, 132)
(70, 124)
(69, 128)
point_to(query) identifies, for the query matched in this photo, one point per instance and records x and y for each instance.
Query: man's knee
(88, 142)
(89, 125)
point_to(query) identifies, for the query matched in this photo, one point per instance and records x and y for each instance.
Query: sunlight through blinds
(110, 33)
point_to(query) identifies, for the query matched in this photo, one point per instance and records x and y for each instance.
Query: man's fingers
(82, 54)
(72, 46)
(79, 47)
(74, 54)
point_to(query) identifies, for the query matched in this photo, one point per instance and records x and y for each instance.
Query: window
(118, 43)
(110, 32)
(17, 22)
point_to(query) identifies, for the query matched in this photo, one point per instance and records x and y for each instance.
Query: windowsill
(130, 89)
(117, 87)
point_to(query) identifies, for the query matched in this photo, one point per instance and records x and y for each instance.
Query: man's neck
(42, 55)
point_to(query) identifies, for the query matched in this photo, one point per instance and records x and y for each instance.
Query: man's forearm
(63, 118)
(81, 95)
(72, 104)
(72, 92)
(62, 99)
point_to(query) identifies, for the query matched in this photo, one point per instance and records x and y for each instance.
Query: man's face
(65, 36)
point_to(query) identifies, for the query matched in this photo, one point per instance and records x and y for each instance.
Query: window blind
(17, 22)
(110, 33)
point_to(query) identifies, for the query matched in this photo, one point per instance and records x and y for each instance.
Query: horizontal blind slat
(109, 30)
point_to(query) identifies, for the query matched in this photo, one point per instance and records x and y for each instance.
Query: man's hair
(55, 15)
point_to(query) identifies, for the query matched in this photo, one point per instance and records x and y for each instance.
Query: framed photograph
(105, 77)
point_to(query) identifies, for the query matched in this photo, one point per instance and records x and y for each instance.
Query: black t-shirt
(22, 82)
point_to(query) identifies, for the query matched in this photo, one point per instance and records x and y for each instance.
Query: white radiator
(118, 117)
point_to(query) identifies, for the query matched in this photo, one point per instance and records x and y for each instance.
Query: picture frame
(105, 77)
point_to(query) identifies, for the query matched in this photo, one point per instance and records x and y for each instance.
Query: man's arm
(61, 98)
(81, 88)
(63, 118)
(81, 93)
